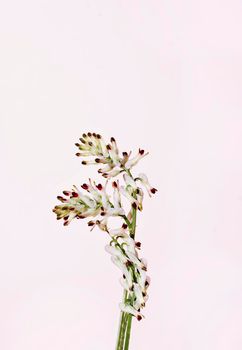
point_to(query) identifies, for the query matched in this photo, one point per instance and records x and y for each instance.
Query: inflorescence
(93, 201)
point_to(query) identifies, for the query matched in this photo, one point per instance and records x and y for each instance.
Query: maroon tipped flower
(102, 208)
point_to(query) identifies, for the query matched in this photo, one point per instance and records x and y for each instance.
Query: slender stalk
(122, 327)
(122, 330)
(128, 331)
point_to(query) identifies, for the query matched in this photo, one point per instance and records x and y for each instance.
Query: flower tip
(139, 317)
(138, 245)
(153, 190)
(78, 154)
(140, 207)
(91, 223)
(134, 205)
(60, 198)
(114, 184)
(84, 186)
(82, 140)
(84, 162)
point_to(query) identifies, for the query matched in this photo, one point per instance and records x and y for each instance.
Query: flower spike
(101, 203)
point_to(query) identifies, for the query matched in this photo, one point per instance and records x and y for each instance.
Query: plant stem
(128, 331)
(122, 327)
(122, 330)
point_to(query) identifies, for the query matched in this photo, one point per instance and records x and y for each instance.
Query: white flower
(113, 152)
(140, 197)
(97, 204)
(102, 224)
(133, 161)
(122, 266)
(144, 180)
(93, 145)
(140, 302)
(127, 192)
(142, 278)
(115, 251)
(119, 232)
(124, 283)
(102, 145)
(114, 212)
(131, 310)
(112, 173)
(130, 181)
(106, 169)
(116, 195)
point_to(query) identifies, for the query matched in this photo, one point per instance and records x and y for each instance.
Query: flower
(133, 161)
(78, 205)
(124, 255)
(93, 201)
(93, 145)
(144, 180)
(131, 310)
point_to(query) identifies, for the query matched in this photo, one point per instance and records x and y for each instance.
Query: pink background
(163, 75)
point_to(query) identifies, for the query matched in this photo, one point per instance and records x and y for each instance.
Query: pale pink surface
(163, 75)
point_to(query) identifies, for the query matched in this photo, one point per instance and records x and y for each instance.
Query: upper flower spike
(93, 145)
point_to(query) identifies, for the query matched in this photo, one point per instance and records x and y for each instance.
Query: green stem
(128, 331)
(122, 327)
(122, 330)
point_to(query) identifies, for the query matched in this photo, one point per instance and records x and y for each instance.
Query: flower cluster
(124, 255)
(93, 201)
(92, 145)
(96, 201)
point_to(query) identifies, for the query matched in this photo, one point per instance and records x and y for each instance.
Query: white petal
(129, 181)
(128, 195)
(129, 309)
(112, 173)
(118, 232)
(133, 161)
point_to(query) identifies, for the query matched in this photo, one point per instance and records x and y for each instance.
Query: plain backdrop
(162, 75)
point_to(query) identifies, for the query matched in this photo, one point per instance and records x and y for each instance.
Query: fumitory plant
(93, 201)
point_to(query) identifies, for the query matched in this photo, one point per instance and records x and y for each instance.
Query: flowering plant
(94, 202)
